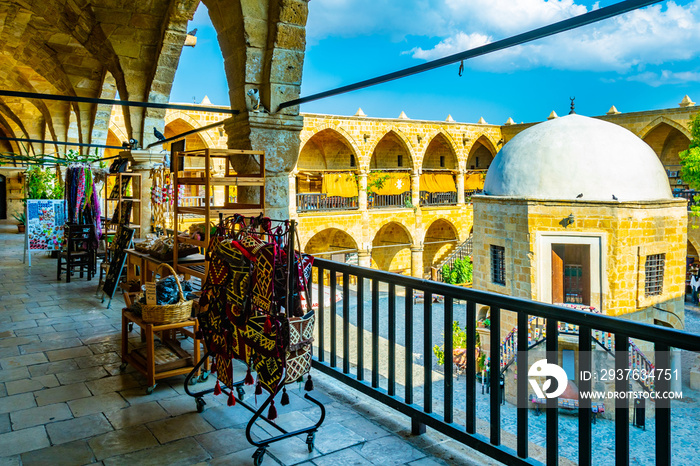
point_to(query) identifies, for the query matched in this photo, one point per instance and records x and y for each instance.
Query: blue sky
(647, 59)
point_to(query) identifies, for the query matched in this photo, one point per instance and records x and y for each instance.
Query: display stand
(116, 201)
(291, 292)
(211, 210)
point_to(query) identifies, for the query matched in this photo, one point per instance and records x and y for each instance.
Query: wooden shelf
(210, 213)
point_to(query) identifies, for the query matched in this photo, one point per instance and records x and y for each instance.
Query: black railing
(311, 202)
(462, 251)
(381, 307)
(376, 201)
(427, 198)
(687, 194)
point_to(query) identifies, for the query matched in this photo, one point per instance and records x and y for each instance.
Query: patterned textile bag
(301, 331)
(266, 351)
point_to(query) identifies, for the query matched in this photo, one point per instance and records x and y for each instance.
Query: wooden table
(141, 266)
(169, 358)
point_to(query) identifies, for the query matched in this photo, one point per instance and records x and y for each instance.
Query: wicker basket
(167, 313)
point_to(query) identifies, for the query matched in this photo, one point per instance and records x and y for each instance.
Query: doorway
(571, 273)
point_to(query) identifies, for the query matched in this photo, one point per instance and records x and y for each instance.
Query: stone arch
(112, 140)
(667, 140)
(441, 144)
(342, 132)
(658, 121)
(354, 231)
(328, 148)
(693, 247)
(403, 142)
(180, 125)
(484, 150)
(330, 239)
(391, 248)
(440, 239)
(118, 132)
(187, 118)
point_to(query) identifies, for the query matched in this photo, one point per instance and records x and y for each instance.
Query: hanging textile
(243, 312)
(391, 183)
(82, 199)
(339, 184)
(437, 183)
(474, 181)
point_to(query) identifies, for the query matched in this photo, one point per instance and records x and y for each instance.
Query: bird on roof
(579, 196)
(614, 198)
(158, 134)
(193, 32)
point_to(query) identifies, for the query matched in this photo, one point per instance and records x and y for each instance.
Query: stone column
(142, 161)
(362, 190)
(293, 194)
(364, 258)
(415, 189)
(460, 188)
(278, 136)
(417, 261)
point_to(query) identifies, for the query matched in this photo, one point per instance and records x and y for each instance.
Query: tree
(690, 159)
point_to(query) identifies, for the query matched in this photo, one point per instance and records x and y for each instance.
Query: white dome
(572, 155)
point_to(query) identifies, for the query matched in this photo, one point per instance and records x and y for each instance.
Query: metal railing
(391, 325)
(449, 198)
(312, 202)
(687, 194)
(462, 251)
(376, 201)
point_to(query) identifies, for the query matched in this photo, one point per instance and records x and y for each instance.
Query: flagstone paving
(63, 399)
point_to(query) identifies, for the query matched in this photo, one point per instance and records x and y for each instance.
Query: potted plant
(22, 220)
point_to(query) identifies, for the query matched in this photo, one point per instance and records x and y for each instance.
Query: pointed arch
(440, 145)
(205, 136)
(661, 120)
(328, 148)
(403, 142)
(330, 239)
(481, 153)
(391, 247)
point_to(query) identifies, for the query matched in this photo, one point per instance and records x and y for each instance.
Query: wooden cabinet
(123, 199)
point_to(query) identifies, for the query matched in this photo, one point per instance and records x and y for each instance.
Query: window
(442, 161)
(399, 161)
(498, 264)
(654, 275)
(352, 160)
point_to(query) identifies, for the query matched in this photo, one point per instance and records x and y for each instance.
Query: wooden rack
(114, 203)
(210, 211)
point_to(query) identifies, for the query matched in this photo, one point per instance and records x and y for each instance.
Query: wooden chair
(78, 251)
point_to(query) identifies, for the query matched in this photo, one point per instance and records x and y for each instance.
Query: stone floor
(63, 399)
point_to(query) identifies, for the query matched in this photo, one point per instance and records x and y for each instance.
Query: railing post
(521, 394)
(495, 376)
(585, 362)
(334, 333)
(622, 410)
(375, 333)
(321, 316)
(471, 367)
(360, 328)
(552, 421)
(662, 354)
(449, 361)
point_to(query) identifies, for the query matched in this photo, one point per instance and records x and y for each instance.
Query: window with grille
(654, 274)
(498, 264)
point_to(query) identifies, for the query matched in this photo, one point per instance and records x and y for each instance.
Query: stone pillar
(460, 188)
(417, 261)
(362, 190)
(142, 161)
(415, 189)
(364, 258)
(293, 194)
(278, 136)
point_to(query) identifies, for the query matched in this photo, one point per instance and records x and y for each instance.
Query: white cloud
(666, 77)
(649, 36)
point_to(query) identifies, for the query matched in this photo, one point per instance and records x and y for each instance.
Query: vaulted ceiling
(92, 49)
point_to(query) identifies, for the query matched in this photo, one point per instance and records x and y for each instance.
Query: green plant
(408, 204)
(43, 184)
(461, 271)
(459, 340)
(487, 322)
(21, 218)
(690, 161)
(376, 181)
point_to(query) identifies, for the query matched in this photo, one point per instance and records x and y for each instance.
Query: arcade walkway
(63, 399)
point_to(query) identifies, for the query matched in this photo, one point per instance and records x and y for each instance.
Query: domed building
(578, 211)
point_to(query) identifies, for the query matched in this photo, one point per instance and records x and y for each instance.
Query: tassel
(213, 367)
(285, 397)
(309, 385)
(231, 399)
(258, 389)
(217, 388)
(248, 378)
(272, 414)
(268, 325)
